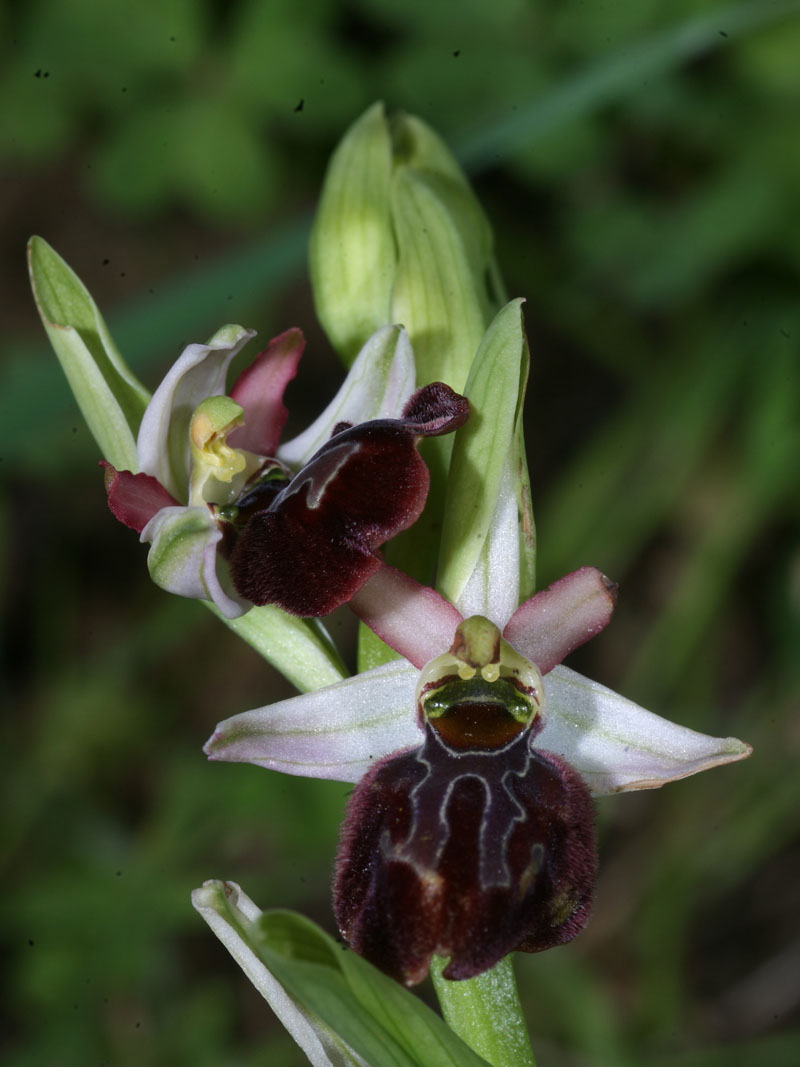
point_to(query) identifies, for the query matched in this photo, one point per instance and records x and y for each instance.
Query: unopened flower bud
(400, 237)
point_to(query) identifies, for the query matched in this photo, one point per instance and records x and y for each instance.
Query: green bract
(488, 535)
(401, 237)
(110, 397)
(447, 285)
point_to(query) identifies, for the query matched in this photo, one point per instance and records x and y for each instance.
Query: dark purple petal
(469, 855)
(559, 905)
(546, 628)
(316, 544)
(134, 498)
(259, 390)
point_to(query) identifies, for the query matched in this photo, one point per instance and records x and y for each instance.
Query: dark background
(642, 184)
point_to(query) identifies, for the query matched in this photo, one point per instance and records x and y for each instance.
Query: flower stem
(486, 1013)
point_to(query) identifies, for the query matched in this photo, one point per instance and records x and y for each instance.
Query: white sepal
(184, 559)
(337, 732)
(617, 745)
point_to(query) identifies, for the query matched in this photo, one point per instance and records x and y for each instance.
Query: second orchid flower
(235, 517)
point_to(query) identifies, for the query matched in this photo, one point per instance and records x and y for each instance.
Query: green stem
(301, 649)
(486, 1013)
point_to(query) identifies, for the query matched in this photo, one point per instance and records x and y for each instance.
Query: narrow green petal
(110, 397)
(352, 255)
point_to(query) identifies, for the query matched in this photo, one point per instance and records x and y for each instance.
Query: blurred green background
(640, 163)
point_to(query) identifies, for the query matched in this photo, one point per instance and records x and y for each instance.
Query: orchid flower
(377, 730)
(237, 518)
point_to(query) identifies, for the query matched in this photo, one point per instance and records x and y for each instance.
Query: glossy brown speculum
(482, 724)
(476, 714)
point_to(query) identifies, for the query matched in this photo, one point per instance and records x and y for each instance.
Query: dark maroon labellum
(465, 852)
(316, 543)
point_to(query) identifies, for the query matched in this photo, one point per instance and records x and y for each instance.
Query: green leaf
(339, 994)
(352, 255)
(110, 397)
(362, 1003)
(486, 450)
(233, 917)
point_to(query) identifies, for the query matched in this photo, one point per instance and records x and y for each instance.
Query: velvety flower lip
(334, 500)
(316, 544)
(340, 731)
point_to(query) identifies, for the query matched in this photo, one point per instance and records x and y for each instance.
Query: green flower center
(482, 693)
